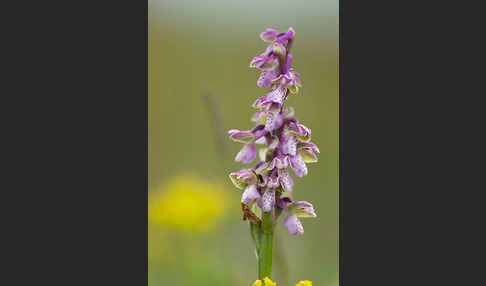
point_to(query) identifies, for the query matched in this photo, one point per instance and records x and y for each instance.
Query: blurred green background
(200, 86)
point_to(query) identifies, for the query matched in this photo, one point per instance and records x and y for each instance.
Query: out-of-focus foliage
(200, 86)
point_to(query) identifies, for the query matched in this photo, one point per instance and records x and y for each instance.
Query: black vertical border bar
(340, 223)
(146, 143)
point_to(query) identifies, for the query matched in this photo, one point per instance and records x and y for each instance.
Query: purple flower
(273, 181)
(267, 202)
(282, 202)
(273, 120)
(269, 35)
(298, 165)
(293, 224)
(272, 36)
(241, 136)
(309, 145)
(264, 62)
(266, 78)
(306, 150)
(304, 209)
(243, 178)
(289, 145)
(280, 161)
(259, 117)
(296, 210)
(246, 154)
(293, 126)
(251, 193)
(285, 180)
(260, 167)
(284, 142)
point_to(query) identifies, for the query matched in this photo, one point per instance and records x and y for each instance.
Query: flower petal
(250, 193)
(268, 200)
(304, 133)
(273, 121)
(269, 282)
(259, 117)
(287, 35)
(242, 178)
(277, 95)
(241, 136)
(289, 145)
(279, 161)
(282, 202)
(260, 102)
(261, 167)
(303, 283)
(273, 182)
(266, 77)
(308, 155)
(293, 224)
(269, 35)
(304, 209)
(298, 165)
(285, 179)
(246, 154)
(308, 145)
(264, 62)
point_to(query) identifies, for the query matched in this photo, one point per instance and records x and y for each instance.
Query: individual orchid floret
(306, 150)
(301, 131)
(273, 121)
(276, 96)
(296, 210)
(304, 209)
(251, 193)
(260, 167)
(283, 202)
(298, 165)
(243, 178)
(273, 36)
(241, 136)
(270, 35)
(259, 117)
(280, 161)
(285, 180)
(308, 145)
(264, 62)
(246, 154)
(288, 144)
(266, 78)
(267, 202)
(272, 181)
(289, 78)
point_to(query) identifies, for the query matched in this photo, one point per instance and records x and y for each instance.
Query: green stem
(265, 255)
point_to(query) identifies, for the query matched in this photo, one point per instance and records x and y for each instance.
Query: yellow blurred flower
(268, 282)
(304, 283)
(188, 203)
(257, 283)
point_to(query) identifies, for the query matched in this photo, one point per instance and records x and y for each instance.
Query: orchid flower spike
(284, 143)
(268, 186)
